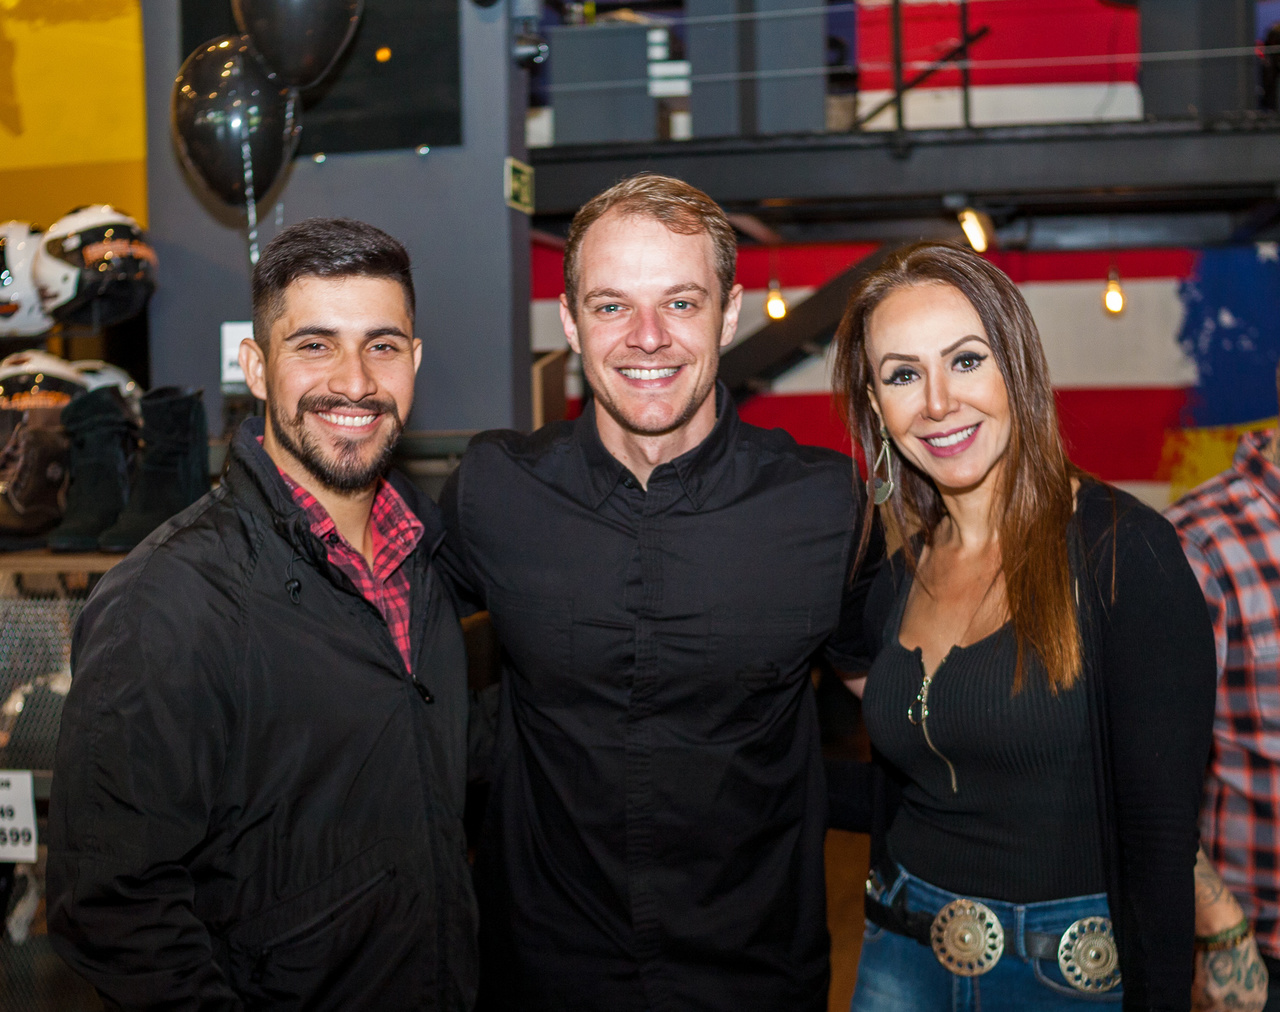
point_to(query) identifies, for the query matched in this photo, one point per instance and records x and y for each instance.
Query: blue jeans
(898, 974)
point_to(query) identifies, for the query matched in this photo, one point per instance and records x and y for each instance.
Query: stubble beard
(348, 474)
(639, 428)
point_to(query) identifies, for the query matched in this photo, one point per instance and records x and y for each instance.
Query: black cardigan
(1146, 633)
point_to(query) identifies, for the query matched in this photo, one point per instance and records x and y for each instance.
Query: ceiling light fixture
(1113, 296)
(977, 228)
(775, 305)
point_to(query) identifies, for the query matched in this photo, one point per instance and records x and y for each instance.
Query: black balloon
(222, 99)
(298, 40)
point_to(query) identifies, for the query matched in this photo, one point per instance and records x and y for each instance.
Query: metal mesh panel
(34, 979)
(35, 646)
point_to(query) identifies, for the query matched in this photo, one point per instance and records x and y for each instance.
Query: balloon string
(250, 200)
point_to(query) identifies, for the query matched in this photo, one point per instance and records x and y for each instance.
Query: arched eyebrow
(968, 337)
(898, 357)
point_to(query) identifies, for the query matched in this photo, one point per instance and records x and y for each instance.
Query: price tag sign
(17, 817)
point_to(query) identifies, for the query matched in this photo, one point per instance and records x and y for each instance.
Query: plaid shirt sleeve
(1230, 532)
(1206, 574)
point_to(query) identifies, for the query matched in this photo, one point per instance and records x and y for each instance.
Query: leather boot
(33, 473)
(103, 438)
(174, 468)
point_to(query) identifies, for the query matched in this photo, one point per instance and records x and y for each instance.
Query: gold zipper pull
(922, 697)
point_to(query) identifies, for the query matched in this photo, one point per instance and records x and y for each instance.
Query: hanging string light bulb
(775, 306)
(977, 228)
(1113, 295)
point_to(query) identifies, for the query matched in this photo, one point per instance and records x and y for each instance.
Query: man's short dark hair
(324, 248)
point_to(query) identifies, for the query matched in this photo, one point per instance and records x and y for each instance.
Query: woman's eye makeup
(967, 361)
(901, 375)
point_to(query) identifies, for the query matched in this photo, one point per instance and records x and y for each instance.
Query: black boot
(33, 473)
(173, 472)
(103, 437)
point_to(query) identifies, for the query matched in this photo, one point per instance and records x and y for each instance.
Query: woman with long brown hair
(1041, 700)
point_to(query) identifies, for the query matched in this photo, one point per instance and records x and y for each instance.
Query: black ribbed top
(1021, 824)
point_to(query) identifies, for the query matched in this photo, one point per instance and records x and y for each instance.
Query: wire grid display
(35, 651)
(35, 648)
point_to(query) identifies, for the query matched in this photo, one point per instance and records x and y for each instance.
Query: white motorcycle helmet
(95, 267)
(95, 373)
(36, 386)
(21, 312)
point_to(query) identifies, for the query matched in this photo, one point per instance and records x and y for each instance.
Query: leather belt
(968, 939)
(919, 925)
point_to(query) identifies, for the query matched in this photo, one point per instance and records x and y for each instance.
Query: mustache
(329, 402)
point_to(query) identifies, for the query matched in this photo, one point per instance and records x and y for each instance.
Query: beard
(348, 472)
(634, 422)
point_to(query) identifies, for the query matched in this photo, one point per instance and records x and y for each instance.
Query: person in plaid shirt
(261, 773)
(1230, 532)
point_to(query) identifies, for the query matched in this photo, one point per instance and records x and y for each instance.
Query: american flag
(1152, 399)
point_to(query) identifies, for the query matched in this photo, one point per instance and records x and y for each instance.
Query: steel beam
(780, 344)
(1011, 161)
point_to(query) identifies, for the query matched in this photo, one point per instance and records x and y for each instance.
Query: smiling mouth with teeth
(952, 438)
(649, 374)
(348, 421)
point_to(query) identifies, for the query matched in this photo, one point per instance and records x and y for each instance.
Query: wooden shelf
(44, 561)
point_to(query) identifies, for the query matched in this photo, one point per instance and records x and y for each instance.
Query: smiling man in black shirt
(659, 574)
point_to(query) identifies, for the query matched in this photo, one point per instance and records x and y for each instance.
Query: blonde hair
(682, 208)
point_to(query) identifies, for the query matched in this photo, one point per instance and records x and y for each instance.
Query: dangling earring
(881, 488)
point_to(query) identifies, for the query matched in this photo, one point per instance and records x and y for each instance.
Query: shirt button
(333, 538)
(629, 482)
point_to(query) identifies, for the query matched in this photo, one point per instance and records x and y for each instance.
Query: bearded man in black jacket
(258, 792)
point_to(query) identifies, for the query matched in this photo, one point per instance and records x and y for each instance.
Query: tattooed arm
(1234, 978)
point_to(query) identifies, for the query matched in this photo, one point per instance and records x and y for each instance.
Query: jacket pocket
(300, 953)
(327, 918)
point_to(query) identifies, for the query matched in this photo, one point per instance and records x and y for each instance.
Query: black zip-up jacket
(254, 804)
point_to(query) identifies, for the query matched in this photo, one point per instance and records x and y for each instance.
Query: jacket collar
(253, 476)
(698, 470)
(1251, 460)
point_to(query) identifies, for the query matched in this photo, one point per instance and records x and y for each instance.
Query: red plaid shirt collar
(396, 532)
(1230, 531)
(1252, 461)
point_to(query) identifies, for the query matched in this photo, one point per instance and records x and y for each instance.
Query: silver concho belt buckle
(967, 937)
(1087, 955)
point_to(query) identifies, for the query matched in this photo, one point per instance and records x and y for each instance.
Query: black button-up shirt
(655, 831)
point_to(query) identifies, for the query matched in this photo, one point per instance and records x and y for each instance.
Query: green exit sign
(517, 185)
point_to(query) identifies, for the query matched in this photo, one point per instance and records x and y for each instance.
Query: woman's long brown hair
(1034, 500)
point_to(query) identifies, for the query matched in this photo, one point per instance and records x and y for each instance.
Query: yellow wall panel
(72, 114)
(1192, 456)
(43, 195)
